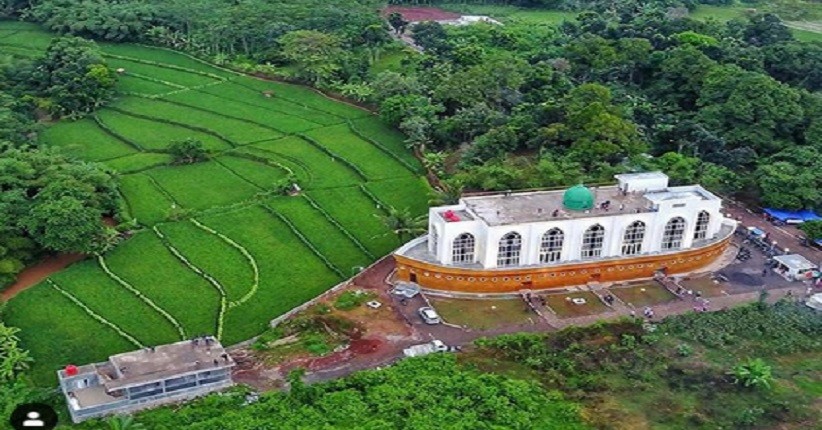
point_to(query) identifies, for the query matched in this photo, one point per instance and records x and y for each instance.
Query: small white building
(641, 215)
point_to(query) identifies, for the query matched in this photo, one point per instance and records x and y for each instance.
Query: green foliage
(812, 229)
(440, 391)
(352, 299)
(72, 78)
(13, 359)
(187, 151)
(753, 373)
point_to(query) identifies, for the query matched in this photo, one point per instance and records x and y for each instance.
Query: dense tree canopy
(426, 393)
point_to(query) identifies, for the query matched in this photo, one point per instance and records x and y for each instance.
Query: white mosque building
(548, 239)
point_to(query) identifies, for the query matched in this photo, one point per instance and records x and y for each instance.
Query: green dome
(578, 198)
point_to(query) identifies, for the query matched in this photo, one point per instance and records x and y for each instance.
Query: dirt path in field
(34, 274)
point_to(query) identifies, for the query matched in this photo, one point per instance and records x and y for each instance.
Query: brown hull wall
(445, 278)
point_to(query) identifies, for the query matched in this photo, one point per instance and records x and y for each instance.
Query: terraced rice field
(216, 250)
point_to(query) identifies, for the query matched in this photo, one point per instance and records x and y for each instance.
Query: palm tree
(403, 224)
(448, 193)
(124, 422)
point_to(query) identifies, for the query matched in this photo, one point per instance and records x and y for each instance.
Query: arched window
(592, 241)
(701, 228)
(550, 249)
(674, 230)
(434, 239)
(632, 240)
(509, 249)
(463, 249)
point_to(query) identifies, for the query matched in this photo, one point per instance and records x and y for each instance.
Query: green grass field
(215, 252)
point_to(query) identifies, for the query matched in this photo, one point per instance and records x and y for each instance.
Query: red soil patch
(365, 346)
(414, 14)
(34, 274)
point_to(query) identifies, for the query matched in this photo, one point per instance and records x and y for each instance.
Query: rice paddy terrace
(234, 256)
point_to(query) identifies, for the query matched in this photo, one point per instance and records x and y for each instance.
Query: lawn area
(239, 92)
(706, 286)
(165, 74)
(154, 135)
(87, 281)
(84, 138)
(483, 314)
(191, 300)
(643, 295)
(720, 13)
(202, 185)
(373, 128)
(213, 255)
(238, 131)
(358, 215)
(403, 193)
(373, 162)
(321, 171)
(132, 84)
(57, 332)
(138, 162)
(329, 240)
(304, 96)
(163, 56)
(278, 121)
(147, 203)
(807, 35)
(564, 306)
(259, 174)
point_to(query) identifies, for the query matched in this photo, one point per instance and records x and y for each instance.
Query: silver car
(429, 315)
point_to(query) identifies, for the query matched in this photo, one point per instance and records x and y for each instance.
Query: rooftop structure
(145, 378)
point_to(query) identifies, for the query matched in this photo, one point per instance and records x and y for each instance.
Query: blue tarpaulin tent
(818, 242)
(785, 215)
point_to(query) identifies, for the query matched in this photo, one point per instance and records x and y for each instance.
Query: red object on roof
(71, 370)
(450, 216)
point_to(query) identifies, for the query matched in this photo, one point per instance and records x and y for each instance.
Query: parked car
(425, 348)
(429, 315)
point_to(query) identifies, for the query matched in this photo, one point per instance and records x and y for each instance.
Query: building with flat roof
(146, 378)
(546, 239)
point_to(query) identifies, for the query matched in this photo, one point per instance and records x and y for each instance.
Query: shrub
(752, 373)
(187, 151)
(352, 299)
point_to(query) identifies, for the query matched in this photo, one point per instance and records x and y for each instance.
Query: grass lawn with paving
(483, 314)
(564, 306)
(706, 285)
(643, 295)
(225, 194)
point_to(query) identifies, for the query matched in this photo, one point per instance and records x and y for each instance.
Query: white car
(429, 315)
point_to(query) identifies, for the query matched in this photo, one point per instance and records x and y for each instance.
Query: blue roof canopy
(785, 215)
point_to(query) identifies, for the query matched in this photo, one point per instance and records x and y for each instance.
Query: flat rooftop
(165, 361)
(520, 208)
(795, 261)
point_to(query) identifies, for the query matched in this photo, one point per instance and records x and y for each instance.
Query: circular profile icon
(33, 416)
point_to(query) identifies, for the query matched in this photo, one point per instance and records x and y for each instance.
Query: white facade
(538, 213)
